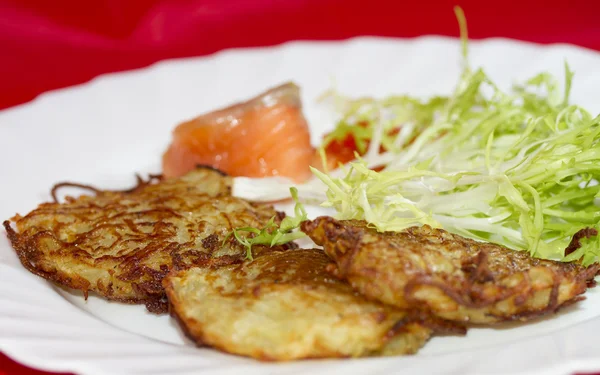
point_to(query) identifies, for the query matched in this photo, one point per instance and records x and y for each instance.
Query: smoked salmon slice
(264, 136)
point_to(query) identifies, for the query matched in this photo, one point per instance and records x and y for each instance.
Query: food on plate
(433, 201)
(284, 305)
(516, 167)
(273, 233)
(362, 131)
(119, 244)
(453, 277)
(264, 136)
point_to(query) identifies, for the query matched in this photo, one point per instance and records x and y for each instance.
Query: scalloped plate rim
(83, 367)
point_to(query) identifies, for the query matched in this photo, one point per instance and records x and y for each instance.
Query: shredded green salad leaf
(517, 168)
(272, 234)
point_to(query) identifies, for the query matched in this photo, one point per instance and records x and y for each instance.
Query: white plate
(104, 131)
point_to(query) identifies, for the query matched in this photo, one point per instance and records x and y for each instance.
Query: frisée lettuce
(518, 168)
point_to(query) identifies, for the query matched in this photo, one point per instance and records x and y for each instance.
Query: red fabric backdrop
(48, 44)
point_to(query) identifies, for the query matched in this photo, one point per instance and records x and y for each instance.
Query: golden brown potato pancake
(284, 305)
(119, 244)
(455, 278)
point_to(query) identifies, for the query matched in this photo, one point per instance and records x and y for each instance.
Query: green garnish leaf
(272, 234)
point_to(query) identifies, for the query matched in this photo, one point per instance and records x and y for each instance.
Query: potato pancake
(119, 244)
(453, 277)
(285, 305)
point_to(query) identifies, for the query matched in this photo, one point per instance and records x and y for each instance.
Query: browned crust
(140, 183)
(130, 267)
(343, 241)
(28, 253)
(194, 258)
(411, 321)
(210, 167)
(190, 327)
(187, 325)
(309, 273)
(436, 325)
(182, 323)
(577, 237)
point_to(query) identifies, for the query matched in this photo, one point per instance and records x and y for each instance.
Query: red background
(48, 44)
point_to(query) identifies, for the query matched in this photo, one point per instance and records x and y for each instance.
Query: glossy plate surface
(104, 131)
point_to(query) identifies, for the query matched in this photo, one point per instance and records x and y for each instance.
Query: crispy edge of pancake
(27, 250)
(244, 308)
(382, 270)
(148, 291)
